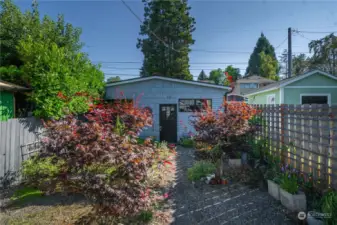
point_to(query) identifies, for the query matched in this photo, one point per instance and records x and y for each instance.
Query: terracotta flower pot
(224, 181)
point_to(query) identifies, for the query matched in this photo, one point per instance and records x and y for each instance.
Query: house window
(190, 105)
(314, 99)
(271, 99)
(249, 85)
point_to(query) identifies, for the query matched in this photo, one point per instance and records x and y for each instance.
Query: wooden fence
(18, 139)
(305, 136)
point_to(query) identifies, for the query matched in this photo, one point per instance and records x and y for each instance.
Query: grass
(200, 169)
(26, 194)
(187, 143)
(77, 213)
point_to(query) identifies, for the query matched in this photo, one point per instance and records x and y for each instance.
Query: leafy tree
(62, 82)
(234, 72)
(113, 79)
(45, 55)
(268, 66)
(254, 64)
(166, 36)
(324, 54)
(300, 64)
(15, 25)
(217, 76)
(283, 63)
(202, 76)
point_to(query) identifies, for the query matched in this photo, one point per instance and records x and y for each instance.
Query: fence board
(16, 135)
(305, 136)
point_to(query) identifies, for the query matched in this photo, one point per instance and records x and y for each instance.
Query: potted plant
(290, 195)
(235, 159)
(272, 176)
(224, 180)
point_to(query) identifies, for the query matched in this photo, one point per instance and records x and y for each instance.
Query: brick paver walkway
(220, 204)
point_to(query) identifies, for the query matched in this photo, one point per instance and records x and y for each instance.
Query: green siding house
(314, 87)
(8, 92)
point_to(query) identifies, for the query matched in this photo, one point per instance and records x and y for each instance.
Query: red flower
(167, 162)
(60, 95)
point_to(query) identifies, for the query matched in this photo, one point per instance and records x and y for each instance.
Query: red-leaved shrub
(224, 124)
(103, 159)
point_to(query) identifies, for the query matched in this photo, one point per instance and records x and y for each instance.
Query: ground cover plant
(200, 169)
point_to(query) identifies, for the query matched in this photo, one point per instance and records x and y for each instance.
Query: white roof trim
(167, 79)
(266, 90)
(294, 80)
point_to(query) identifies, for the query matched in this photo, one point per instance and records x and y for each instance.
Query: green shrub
(140, 141)
(329, 205)
(187, 142)
(273, 173)
(200, 169)
(36, 170)
(145, 216)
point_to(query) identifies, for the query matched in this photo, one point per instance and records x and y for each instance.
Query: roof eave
(259, 92)
(168, 79)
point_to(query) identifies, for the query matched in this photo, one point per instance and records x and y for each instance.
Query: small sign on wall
(271, 99)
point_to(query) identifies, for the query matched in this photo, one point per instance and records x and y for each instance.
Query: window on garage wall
(191, 105)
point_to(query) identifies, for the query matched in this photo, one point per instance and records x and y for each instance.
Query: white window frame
(321, 94)
(272, 95)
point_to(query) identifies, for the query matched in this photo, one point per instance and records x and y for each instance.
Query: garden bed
(31, 206)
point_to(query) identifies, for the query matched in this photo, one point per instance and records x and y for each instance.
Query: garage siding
(152, 93)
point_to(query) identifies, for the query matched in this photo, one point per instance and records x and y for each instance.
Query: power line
(301, 35)
(199, 63)
(121, 68)
(316, 32)
(217, 51)
(140, 20)
(281, 43)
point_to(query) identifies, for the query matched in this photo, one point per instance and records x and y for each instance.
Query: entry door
(168, 123)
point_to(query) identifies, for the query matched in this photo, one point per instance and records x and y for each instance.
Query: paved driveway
(219, 204)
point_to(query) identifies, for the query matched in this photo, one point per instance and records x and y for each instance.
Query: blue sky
(110, 31)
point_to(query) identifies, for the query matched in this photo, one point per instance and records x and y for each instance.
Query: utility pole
(289, 53)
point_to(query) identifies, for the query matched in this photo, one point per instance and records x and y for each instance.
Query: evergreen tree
(202, 76)
(166, 36)
(254, 64)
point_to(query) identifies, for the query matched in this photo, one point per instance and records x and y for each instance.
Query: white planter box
(235, 162)
(297, 202)
(274, 189)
